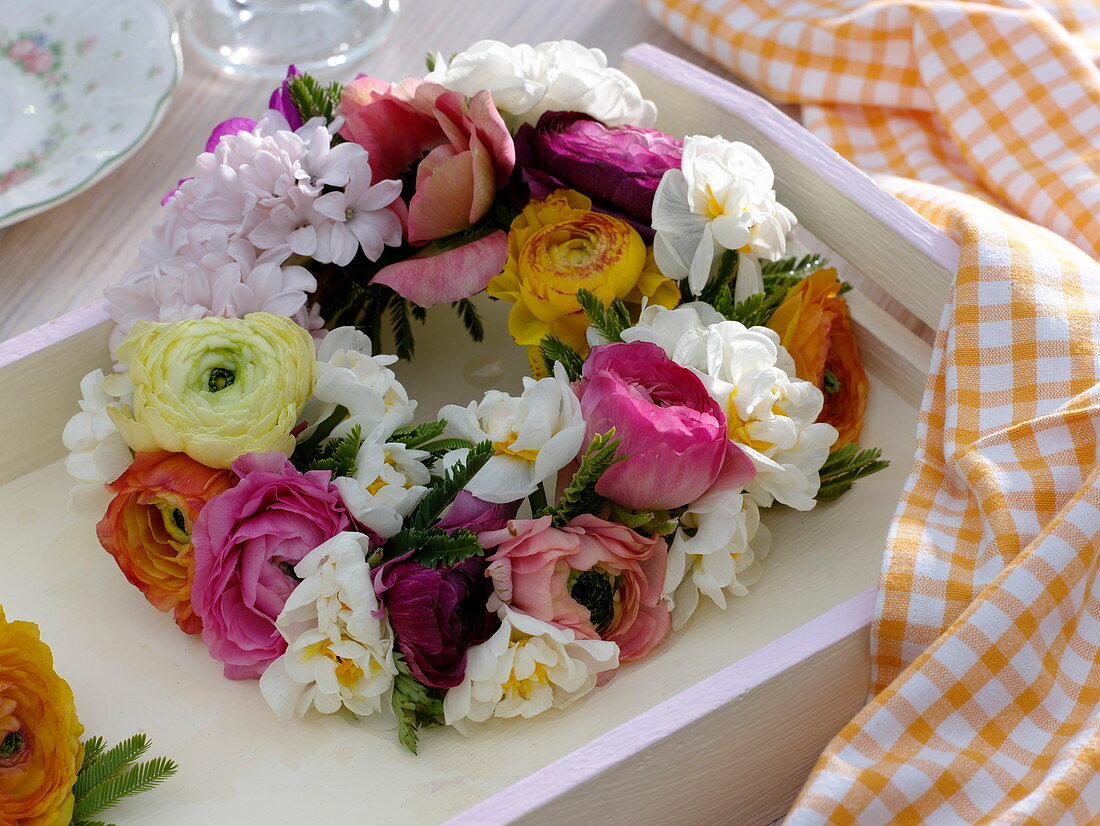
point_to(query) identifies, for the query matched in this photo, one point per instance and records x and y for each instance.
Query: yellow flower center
(348, 671)
(507, 448)
(739, 428)
(525, 688)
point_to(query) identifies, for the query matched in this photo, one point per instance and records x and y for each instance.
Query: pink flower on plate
(247, 541)
(598, 578)
(40, 62)
(21, 49)
(463, 154)
(674, 435)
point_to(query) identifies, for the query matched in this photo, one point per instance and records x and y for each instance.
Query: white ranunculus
(558, 76)
(535, 435)
(715, 551)
(348, 375)
(525, 668)
(98, 453)
(721, 198)
(389, 482)
(339, 650)
(681, 333)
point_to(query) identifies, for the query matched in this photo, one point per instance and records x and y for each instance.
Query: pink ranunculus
(463, 154)
(247, 541)
(598, 578)
(674, 435)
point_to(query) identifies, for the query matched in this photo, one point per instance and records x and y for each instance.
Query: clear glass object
(259, 38)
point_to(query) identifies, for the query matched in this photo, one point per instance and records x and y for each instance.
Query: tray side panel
(40, 372)
(913, 261)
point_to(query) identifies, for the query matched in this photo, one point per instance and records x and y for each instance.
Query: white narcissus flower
(715, 551)
(389, 482)
(525, 668)
(556, 76)
(339, 645)
(349, 376)
(98, 453)
(721, 198)
(534, 435)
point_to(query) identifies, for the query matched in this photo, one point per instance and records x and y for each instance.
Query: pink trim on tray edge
(924, 236)
(665, 719)
(44, 335)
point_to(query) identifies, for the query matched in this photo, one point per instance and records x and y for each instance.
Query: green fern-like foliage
(797, 267)
(338, 455)
(609, 321)
(471, 319)
(434, 547)
(444, 489)
(416, 705)
(313, 98)
(722, 277)
(310, 450)
(556, 351)
(107, 776)
(416, 435)
(580, 495)
(845, 466)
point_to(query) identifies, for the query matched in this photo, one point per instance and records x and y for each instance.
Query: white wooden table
(63, 258)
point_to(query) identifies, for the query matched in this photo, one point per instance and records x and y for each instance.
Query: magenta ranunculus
(673, 433)
(228, 127)
(618, 167)
(246, 547)
(436, 615)
(598, 578)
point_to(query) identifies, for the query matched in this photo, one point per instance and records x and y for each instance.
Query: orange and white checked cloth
(986, 647)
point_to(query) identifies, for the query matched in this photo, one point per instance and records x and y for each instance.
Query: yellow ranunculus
(558, 246)
(215, 388)
(40, 749)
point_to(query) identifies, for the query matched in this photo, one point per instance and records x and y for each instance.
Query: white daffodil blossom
(556, 76)
(349, 376)
(525, 668)
(721, 198)
(772, 415)
(98, 453)
(339, 644)
(389, 482)
(534, 434)
(715, 551)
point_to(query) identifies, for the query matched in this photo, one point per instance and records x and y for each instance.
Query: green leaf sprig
(416, 705)
(844, 466)
(556, 351)
(580, 495)
(314, 99)
(107, 776)
(610, 320)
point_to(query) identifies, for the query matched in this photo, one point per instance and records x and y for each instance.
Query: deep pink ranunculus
(598, 578)
(436, 615)
(462, 153)
(673, 433)
(246, 546)
(618, 167)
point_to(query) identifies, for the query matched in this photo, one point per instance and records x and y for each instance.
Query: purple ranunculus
(673, 433)
(246, 547)
(473, 514)
(436, 615)
(618, 167)
(282, 102)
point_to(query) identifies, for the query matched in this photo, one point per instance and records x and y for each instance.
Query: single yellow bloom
(40, 749)
(216, 388)
(558, 246)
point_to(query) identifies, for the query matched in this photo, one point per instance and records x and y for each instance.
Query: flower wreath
(265, 480)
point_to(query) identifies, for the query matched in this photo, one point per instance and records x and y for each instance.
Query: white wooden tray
(720, 725)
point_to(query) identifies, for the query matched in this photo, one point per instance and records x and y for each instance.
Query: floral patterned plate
(82, 85)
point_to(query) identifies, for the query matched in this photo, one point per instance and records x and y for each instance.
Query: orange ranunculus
(147, 527)
(814, 325)
(40, 749)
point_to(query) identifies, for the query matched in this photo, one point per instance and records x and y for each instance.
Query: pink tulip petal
(448, 276)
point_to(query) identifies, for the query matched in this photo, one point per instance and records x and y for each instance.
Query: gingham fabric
(986, 645)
